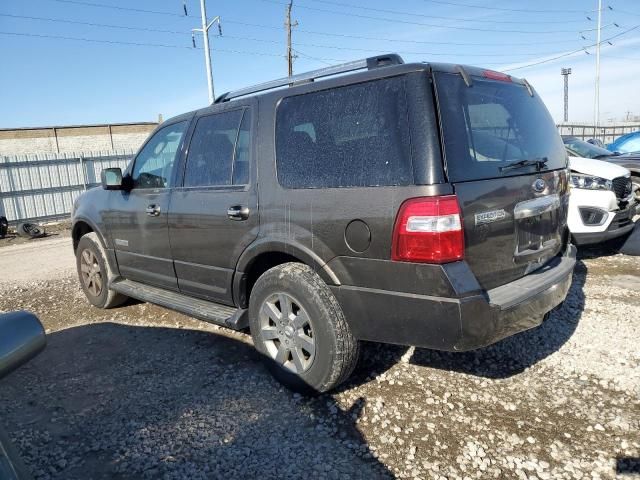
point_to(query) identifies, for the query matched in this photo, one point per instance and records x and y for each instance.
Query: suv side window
(153, 166)
(243, 146)
(353, 136)
(212, 150)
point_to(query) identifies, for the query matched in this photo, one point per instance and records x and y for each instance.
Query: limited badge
(489, 217)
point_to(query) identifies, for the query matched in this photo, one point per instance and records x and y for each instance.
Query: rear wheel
(300, 330)
(94, 273)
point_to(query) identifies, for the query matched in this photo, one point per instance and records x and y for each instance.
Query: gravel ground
(142, 392)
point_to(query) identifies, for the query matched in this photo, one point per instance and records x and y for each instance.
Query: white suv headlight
(589, 182)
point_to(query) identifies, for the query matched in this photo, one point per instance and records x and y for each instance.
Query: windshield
(585, 149)
(493, 124)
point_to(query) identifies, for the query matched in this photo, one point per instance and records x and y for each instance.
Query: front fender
(88, 208)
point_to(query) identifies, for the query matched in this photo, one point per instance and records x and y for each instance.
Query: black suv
(419, 204)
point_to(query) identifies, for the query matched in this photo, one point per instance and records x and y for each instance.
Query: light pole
(596, 108)
(207, 55)
(565, 72)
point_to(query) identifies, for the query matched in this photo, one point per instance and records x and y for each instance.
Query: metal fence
(43, 186)
(606, 133)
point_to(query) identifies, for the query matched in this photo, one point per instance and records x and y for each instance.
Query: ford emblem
(539, 185)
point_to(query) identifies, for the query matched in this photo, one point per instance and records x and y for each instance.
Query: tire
(94, 273)
(4, 227)
(315, 315)
(30, 230)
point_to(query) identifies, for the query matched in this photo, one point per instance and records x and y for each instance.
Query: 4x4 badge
(488, 217)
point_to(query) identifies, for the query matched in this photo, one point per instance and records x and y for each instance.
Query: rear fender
(302, 253)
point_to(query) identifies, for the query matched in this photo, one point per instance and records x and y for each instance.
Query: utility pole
(565, 72)
(205, 37)
(597, 93)
(288, 25)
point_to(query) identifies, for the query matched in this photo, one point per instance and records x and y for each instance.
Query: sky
(131, 60)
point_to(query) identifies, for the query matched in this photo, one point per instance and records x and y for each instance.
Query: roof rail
(366, 63)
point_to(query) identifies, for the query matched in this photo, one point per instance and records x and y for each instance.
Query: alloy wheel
(91, 274)
(285, 329)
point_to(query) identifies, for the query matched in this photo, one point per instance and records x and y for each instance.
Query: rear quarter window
(353, 136)
(493, 124)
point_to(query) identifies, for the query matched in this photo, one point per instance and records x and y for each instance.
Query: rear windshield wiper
(539, 163)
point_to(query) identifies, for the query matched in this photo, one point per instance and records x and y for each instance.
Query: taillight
(428, 230)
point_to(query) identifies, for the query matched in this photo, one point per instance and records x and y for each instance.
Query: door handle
(238, 212)
(153, 210)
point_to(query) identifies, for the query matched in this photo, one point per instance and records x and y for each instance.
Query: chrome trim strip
(536, 206)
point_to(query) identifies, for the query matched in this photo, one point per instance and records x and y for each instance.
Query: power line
(245, 52)
(138, 44)
(116, 7)
(157, 12)
(355, 49)
(397, 40)
(163, 45)
(636, 59)
(484, 7)
(626, 12)
(458, 19)
(93, 40)
(538, 42)
(573, 52)
(521, 10)
(235, 37)
(326, 61)
(91, 24)
(409, 22)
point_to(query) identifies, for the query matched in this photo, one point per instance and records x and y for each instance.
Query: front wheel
(94, 273)
(299, 328)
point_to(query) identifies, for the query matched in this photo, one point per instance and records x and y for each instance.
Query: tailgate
(507, 162)
(508, 230)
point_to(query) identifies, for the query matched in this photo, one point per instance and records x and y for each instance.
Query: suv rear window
(493, 124)
(353, 136)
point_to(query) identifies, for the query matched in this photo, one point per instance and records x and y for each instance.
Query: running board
(223, 315)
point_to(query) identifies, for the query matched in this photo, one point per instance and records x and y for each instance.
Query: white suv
(602, 205)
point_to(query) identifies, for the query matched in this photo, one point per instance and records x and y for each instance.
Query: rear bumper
(458, 324)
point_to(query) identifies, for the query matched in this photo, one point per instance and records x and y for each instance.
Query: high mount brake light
(428, 230)
(492, 75)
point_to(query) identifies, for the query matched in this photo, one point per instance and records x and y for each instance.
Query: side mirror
(111, 178)
(22, 337)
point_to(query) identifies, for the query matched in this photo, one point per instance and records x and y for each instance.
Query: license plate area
(537, 229)
(534, 233)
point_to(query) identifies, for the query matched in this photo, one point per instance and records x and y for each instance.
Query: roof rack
(366, 63)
